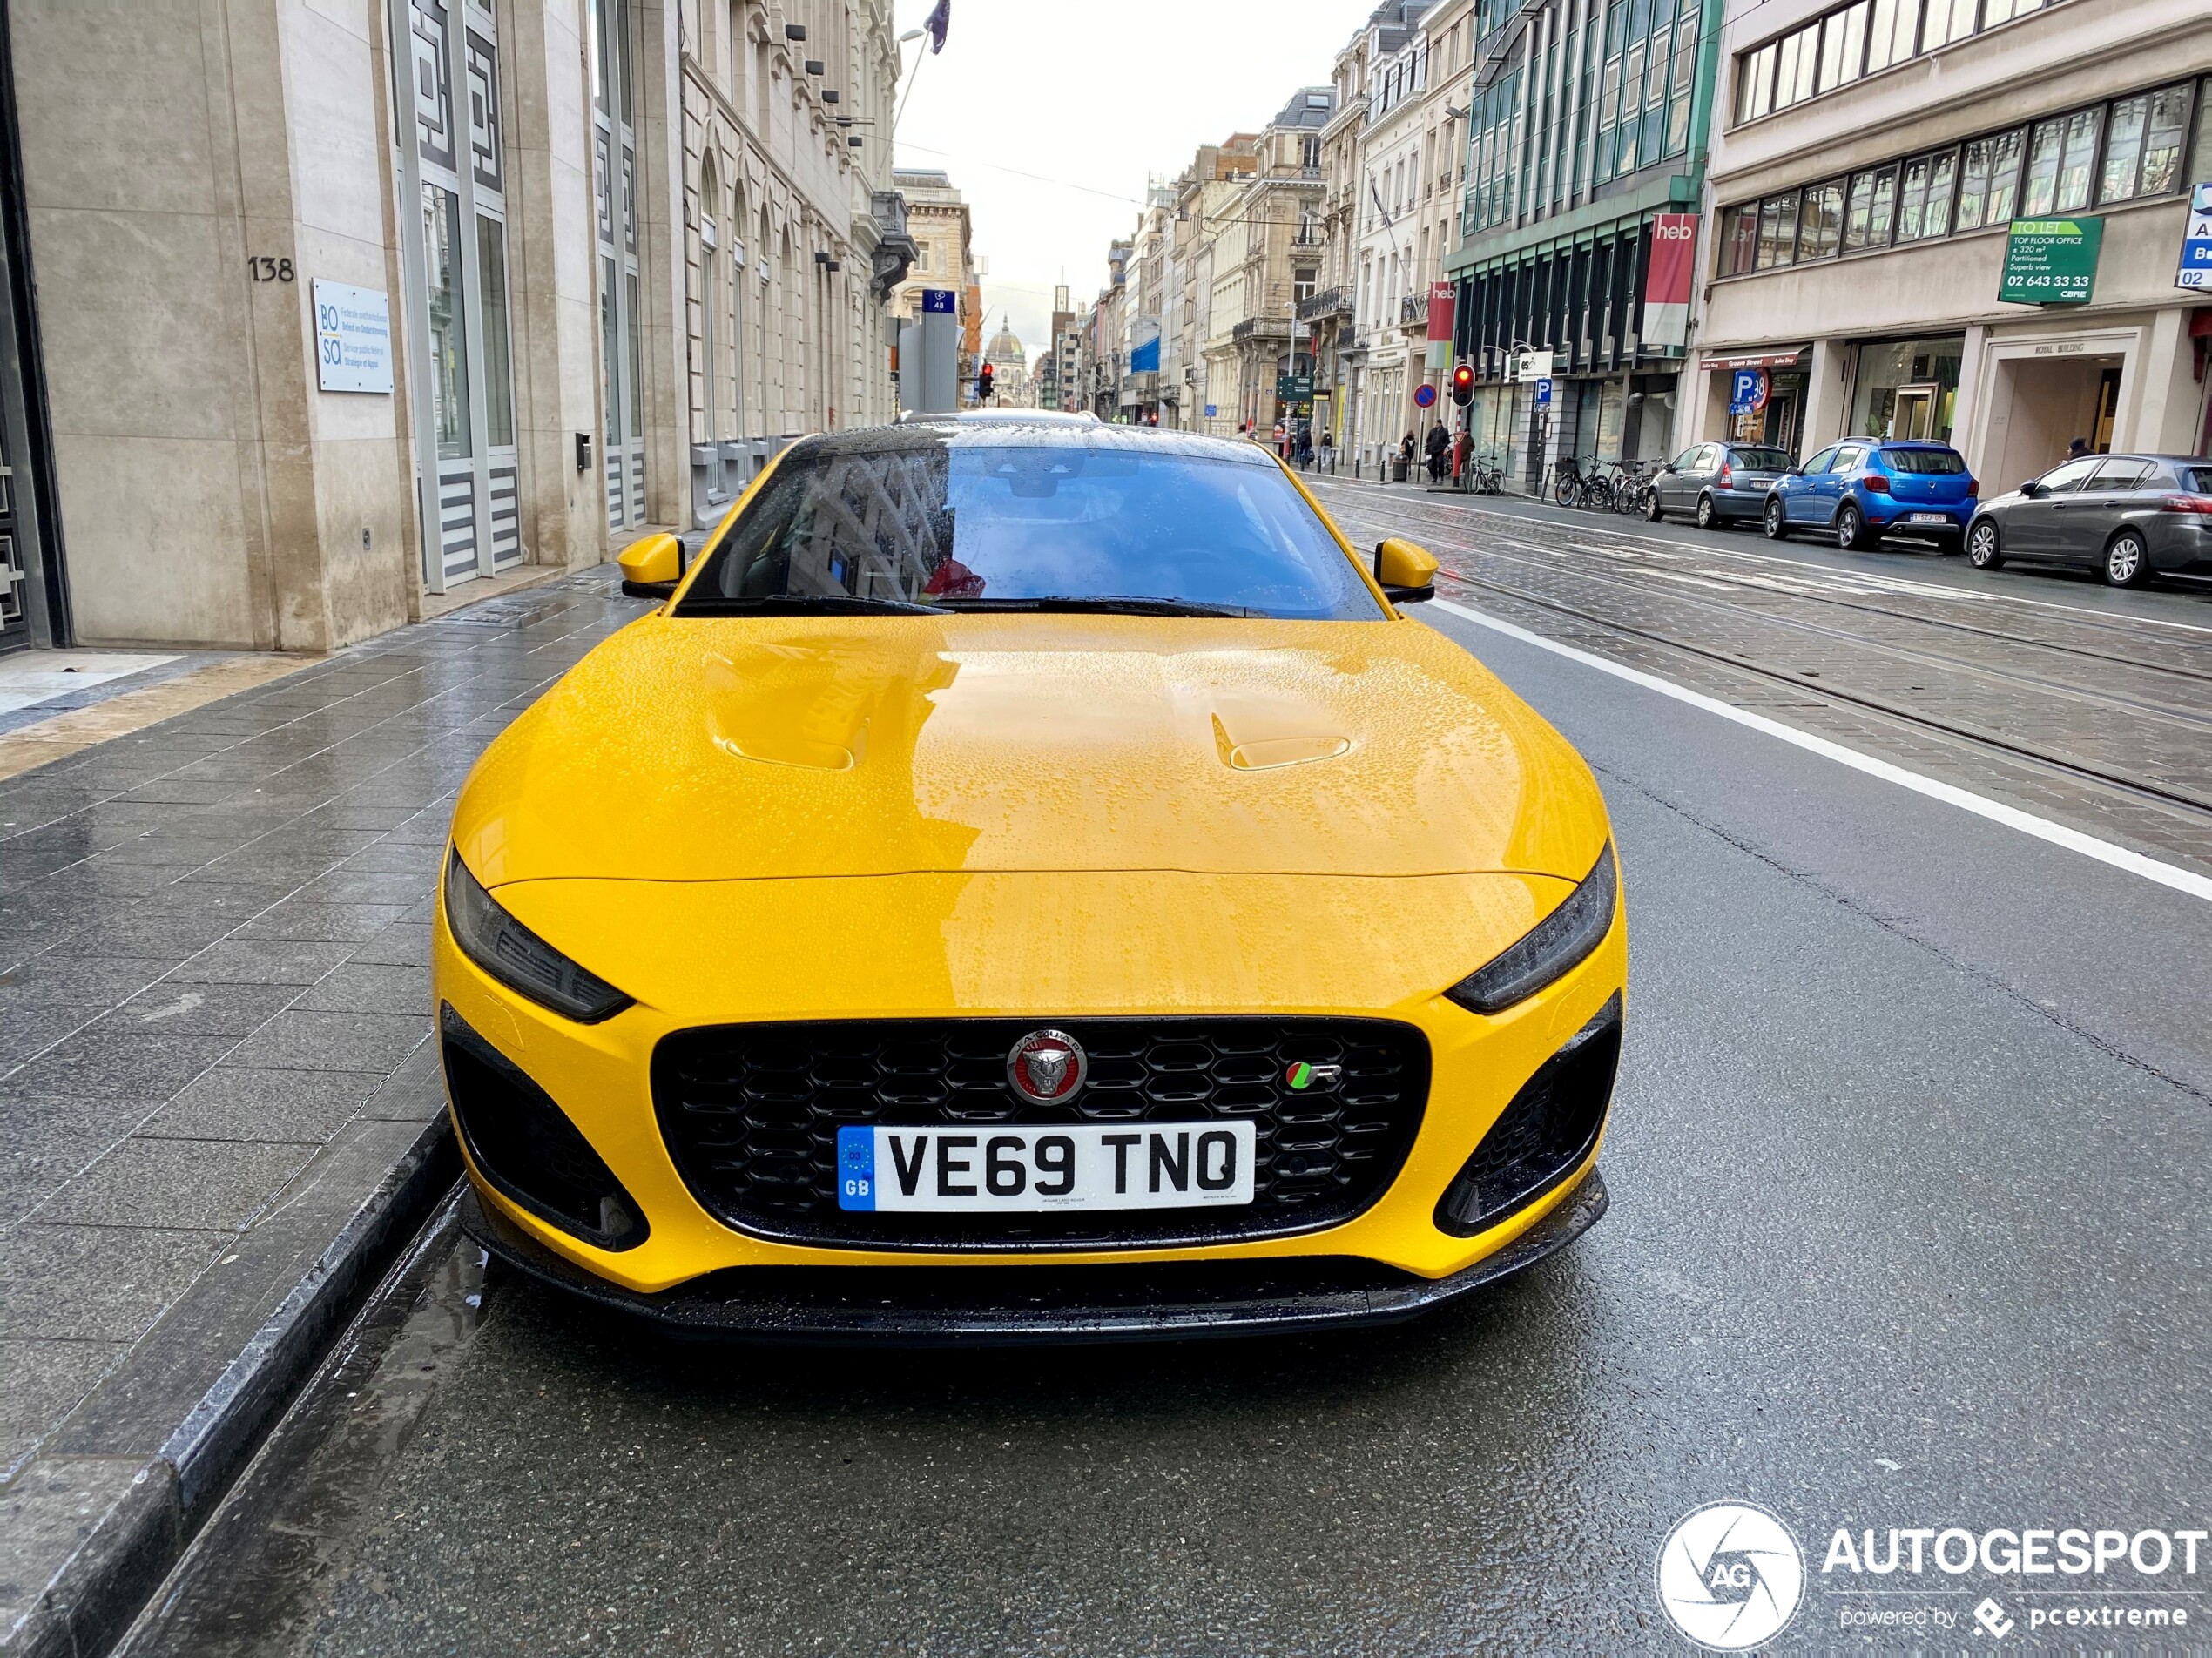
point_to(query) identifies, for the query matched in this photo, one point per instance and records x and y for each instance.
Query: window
(2144, 149)
(2126, 475)
(1824, 462)
(499, 375)
(1924, 464)
(2041, 194)
(1923, 197)
(1843, 46)
(1793, 81)
(1989, 180)
(1739, 239)
(1947, 21)
(1866, 217)
(2077, 159)
(1778, 231)
(1820, 221)
(2070, 476)
(1893, 30)
(1754, 83)
(1849, 458)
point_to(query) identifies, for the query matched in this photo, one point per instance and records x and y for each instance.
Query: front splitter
(938, 1305)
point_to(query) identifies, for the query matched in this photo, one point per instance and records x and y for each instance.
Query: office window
(2143, 149)
(1739, 239)
(1754, 83)
(1820, 221)
(1892, 29)
(1989, 180)
(1793, 80)
(2040, 194)
(1867, 215)
(1778, 231)
(1947, 21)
(1996, 11)
(2077, 159)
(1842, 45)
(1923, 197)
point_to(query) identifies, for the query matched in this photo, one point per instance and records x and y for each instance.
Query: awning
(1784, 357)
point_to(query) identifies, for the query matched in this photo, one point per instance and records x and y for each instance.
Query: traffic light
(983, 385)
(1463, 384)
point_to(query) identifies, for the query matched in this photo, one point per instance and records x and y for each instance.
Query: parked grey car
(2127, 516)
(1716, 483)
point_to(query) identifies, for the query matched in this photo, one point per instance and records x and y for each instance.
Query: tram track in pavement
(2061, 699)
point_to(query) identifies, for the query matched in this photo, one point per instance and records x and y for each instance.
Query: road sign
(1424, 396)
(2051, 261)
(1211, 411)
(2196, 242)
(1747, 391)
(1294, 388)
(1532, 365)
(1544, 392)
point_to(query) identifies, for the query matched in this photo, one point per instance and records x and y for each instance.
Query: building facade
(364, 303)
(1871, 161)
(1589, 123)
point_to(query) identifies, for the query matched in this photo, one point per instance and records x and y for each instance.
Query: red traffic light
(1463, 384)
(983, 385)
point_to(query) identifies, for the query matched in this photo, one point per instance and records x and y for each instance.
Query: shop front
(1907, 389)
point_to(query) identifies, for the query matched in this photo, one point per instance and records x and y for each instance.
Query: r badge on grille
(1302, 1076)
(1047, 1067)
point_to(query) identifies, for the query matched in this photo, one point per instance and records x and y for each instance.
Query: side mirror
(1405, 573)
(2032, 489)
(652, 567)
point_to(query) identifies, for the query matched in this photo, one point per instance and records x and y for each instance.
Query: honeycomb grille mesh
(751, 1113)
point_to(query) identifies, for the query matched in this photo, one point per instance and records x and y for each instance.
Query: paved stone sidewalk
(214, 1023)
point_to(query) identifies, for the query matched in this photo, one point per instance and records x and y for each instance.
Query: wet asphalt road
(1908, 1165)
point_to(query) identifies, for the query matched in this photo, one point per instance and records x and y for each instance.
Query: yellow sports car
(1028, 880)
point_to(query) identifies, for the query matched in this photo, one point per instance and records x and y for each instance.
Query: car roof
(1027, 428)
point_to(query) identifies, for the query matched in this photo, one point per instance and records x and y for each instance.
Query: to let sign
(352, 338)
(2196, 243)
(2051, 261)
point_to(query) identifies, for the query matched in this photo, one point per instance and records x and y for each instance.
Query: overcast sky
(1049, 113)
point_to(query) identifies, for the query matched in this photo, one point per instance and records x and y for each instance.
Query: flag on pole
(939, 20)
(1373, 195)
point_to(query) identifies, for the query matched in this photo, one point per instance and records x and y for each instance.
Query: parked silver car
(1716, 483)
(2128, 515)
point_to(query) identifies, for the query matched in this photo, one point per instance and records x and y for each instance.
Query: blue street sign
(937, 299)
(1211, 411)
(1747, 391)
(1424, 396)
(1544, 392)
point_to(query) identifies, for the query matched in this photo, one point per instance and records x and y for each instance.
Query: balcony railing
(1261, 328)
(1414, 308)
(1330, 302)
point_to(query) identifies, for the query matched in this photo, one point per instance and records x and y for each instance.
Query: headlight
(519, 958)
(1549, 949)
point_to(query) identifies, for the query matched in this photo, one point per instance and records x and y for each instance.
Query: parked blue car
(1864, 488)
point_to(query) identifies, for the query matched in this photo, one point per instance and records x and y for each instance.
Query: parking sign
(1747, 395)
(1544, 392)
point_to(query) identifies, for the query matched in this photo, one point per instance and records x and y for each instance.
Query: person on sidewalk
(1405, 459)
(1438, 443)
(1328, 453)
(1460, 445)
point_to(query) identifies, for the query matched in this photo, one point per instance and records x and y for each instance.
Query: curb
(129, 1547)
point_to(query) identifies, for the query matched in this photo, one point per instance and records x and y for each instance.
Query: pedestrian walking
(1405, 459)
(1328, 453)
(1460, 445)
(1438, 444)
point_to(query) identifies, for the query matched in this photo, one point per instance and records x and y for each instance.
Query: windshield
(1763, 460)
(917, 521)
(1935, 463)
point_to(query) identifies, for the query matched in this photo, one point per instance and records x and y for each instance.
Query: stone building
(1008, 360)
(943, 234)
(321, 314)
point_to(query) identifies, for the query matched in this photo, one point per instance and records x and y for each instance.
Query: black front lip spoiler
(725, 1306)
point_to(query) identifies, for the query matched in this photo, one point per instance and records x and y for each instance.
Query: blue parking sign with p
(1744, 394)
(1544, 391)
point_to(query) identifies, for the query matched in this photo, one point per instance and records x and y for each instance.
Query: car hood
(708, 749)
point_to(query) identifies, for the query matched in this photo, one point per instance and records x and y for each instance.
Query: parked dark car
(1717, 483)
(2128, 516)
(1864, 488)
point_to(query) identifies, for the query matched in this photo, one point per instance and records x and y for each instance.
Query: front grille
(751, 1115)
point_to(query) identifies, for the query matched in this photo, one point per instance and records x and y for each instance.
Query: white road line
(1898, 583)
(2105, 852)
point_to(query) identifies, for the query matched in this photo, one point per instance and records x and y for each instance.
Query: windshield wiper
(809, 604)
(1103, 604)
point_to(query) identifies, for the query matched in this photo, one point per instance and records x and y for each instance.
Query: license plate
(1025, 1170)
(1928, 518)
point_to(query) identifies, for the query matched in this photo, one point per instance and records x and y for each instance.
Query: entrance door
(1912, 419)
(453, 248)
(614, 141)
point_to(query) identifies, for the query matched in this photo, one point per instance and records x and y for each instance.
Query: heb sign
(2051, 261)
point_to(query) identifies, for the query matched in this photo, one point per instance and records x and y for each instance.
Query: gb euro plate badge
(989, 1168)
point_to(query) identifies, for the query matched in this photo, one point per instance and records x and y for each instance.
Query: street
(1907, 1163)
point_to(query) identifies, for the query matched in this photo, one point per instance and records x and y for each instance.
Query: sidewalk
(218, 1096)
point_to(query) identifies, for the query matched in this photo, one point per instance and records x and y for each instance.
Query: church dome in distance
(1005, 350)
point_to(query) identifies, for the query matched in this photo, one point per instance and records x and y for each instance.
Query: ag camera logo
(1730, 1576)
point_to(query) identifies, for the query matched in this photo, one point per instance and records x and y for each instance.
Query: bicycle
(1481, 476)
(1632, 489)
(1596, 493)
(1573, 489)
